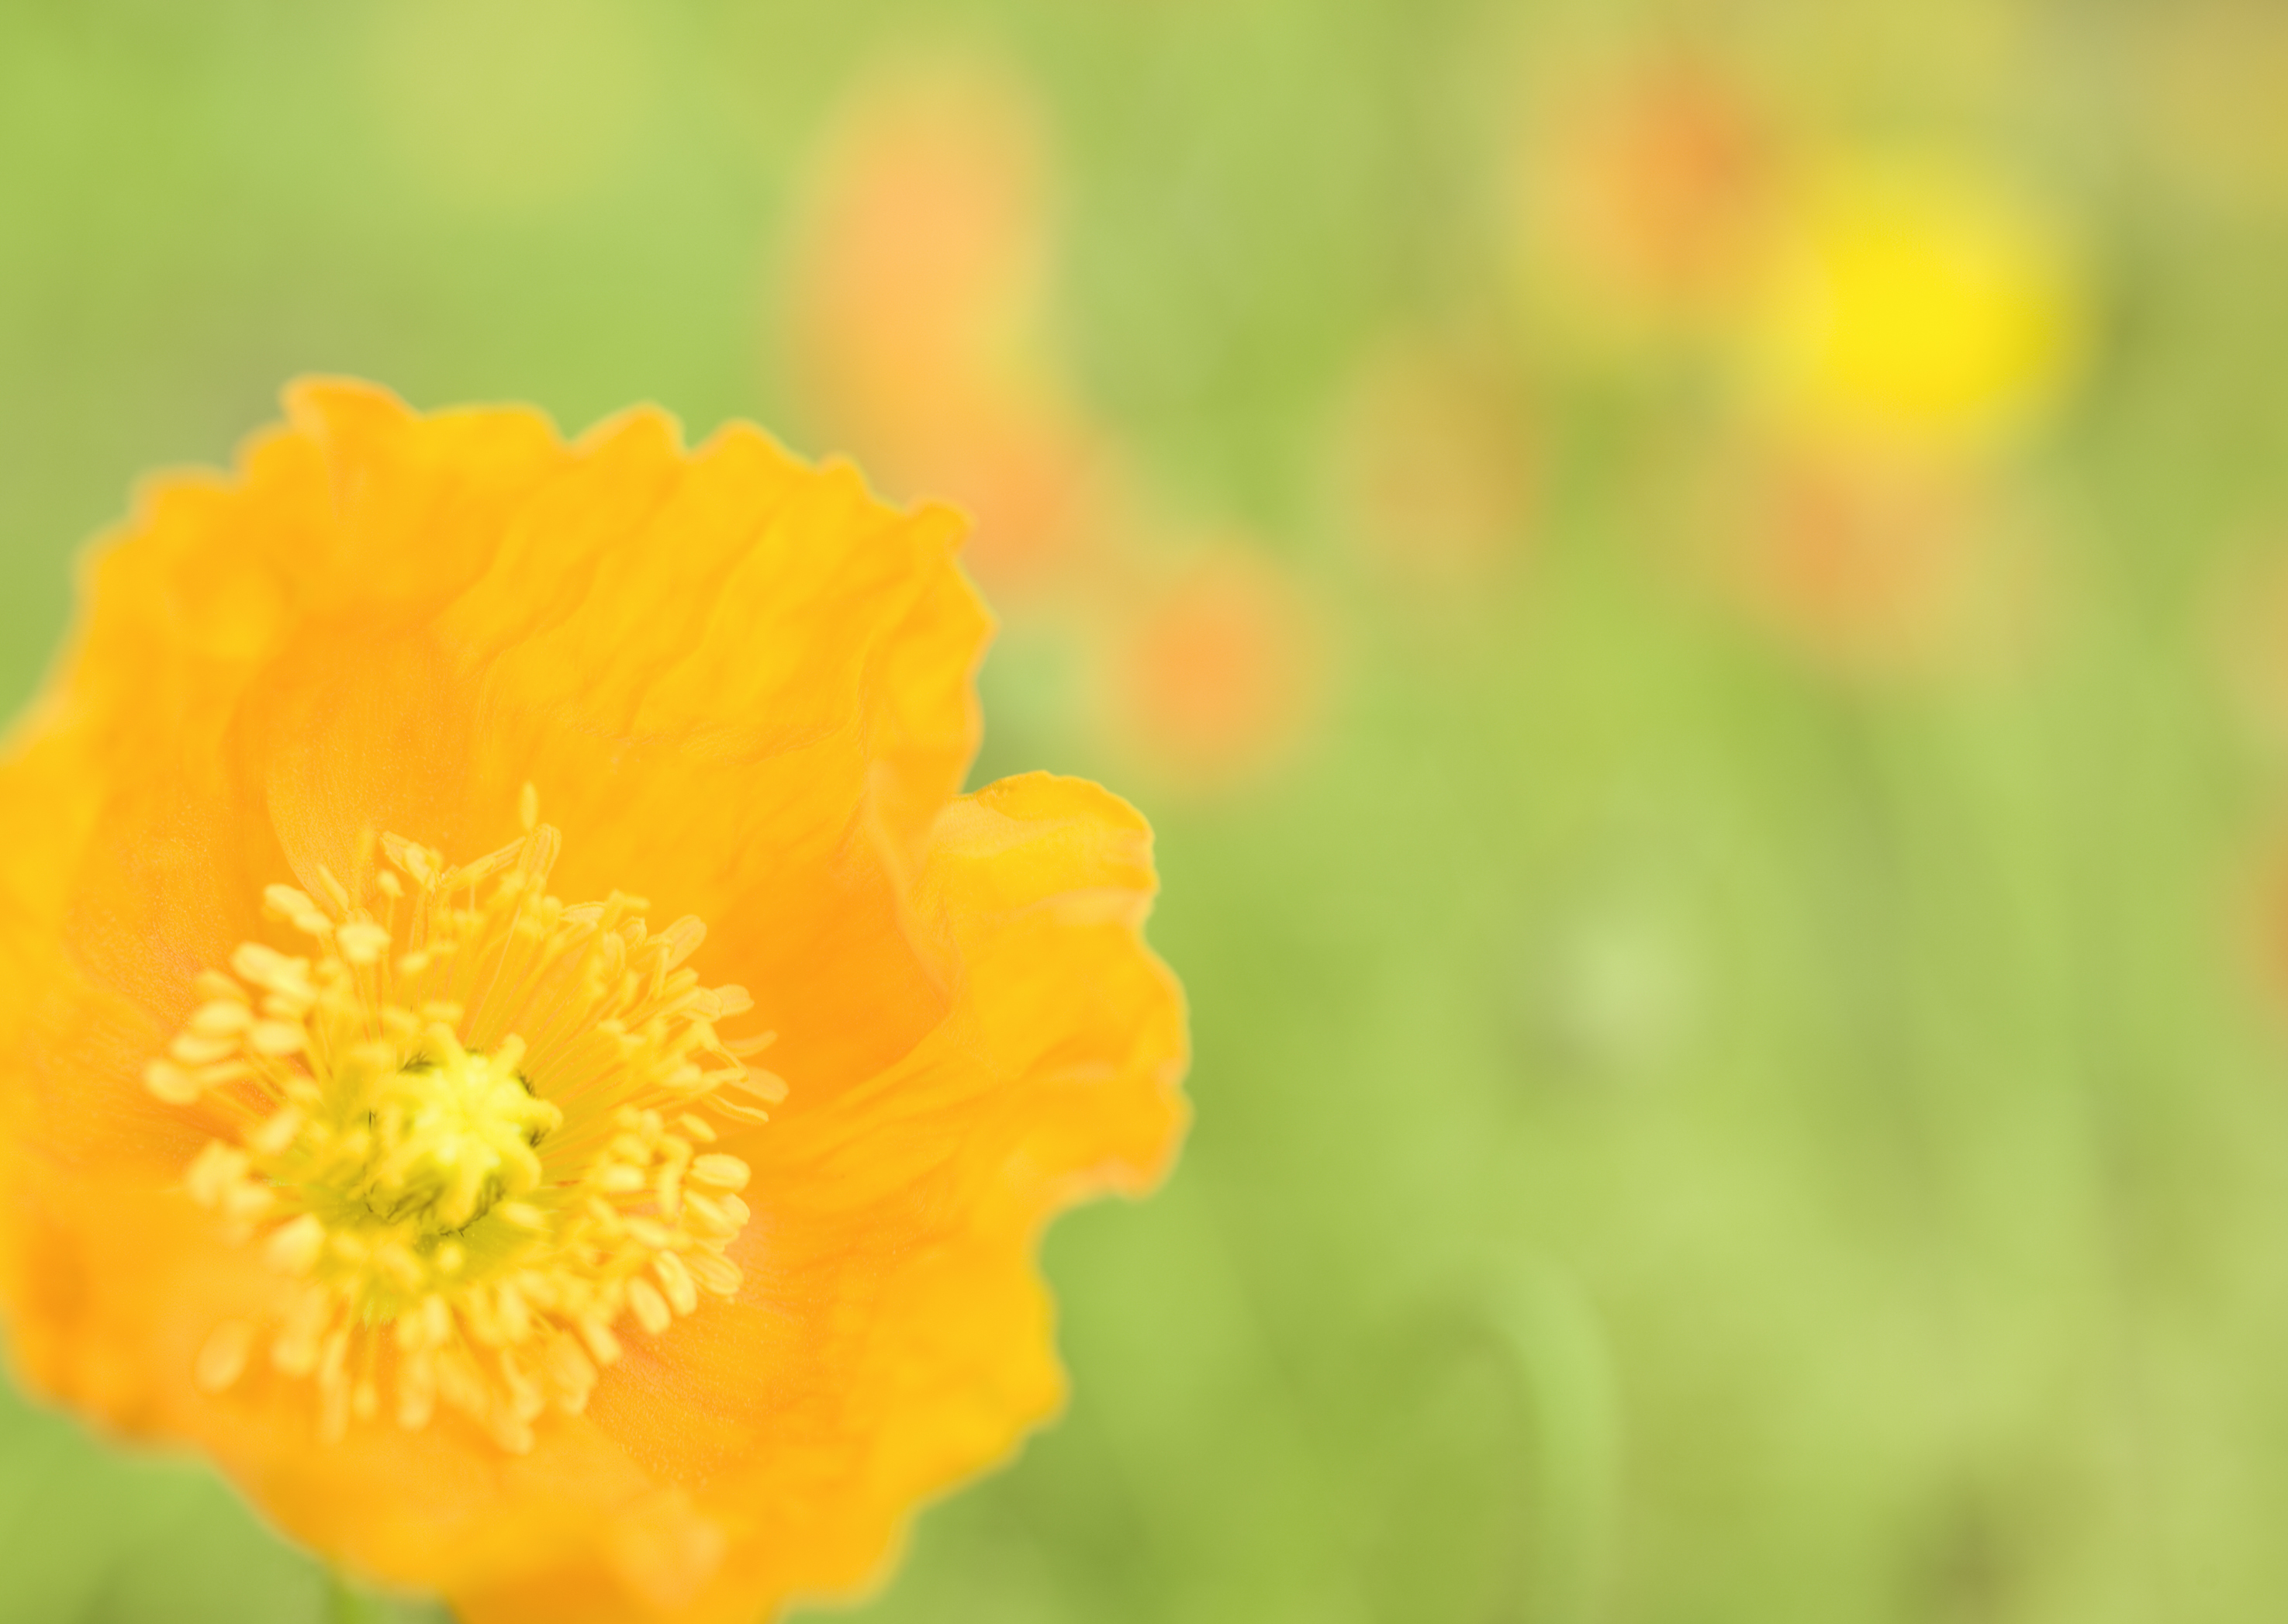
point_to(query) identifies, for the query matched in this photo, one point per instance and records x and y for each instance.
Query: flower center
(470, 1130)
(451, 1138)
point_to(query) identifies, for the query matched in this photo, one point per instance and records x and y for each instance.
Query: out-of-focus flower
(446, 1217)
(2250, 621)
(2206, 76)
(2249, 615)
(1872, 565)
(1429, 461)
(1915, 307)
(919, 314)
(1911, 321)
(921, 335)
(1643, 199)
(1217, 676)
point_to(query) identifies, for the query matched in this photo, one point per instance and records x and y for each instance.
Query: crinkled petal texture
(744, 690)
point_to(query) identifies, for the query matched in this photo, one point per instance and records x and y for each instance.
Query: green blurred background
(1698, 593)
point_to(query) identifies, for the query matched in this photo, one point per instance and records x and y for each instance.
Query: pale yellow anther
(682, 939)
(570, 1373)
(335, 891)
(221, 1018)
(170, 1083)
(295, 1353)
(649, 1308)
(278, 1134)
(707, 1220)
(720, 1172)
(675, 1281)
(192, 1050)
(286, 980)
(363, 941)
(418, 861)
(220, 1073)
(212, 984)
(715, 1272)
(257, 961)
(285, 902)
(511, 1431)
(276, 1038)
(245, 1201)
(213, 1170)
(295, 1247)
(222, 1358)
(602, 1345)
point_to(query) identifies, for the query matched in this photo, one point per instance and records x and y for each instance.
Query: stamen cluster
(471, 1129)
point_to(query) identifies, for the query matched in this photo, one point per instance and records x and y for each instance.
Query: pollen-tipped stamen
(474, 1125)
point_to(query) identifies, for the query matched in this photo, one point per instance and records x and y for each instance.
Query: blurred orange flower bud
(1431, 466)
(1220, 675)
(917, 312)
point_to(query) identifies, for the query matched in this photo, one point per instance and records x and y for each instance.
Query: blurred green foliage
(1685, 1134)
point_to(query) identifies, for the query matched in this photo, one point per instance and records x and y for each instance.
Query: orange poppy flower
(1878, 568)
(1431, 467)
(1219, 674)
(440, 1204)
(1641, 204)
(918, 297)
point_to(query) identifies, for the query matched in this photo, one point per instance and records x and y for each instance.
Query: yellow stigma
(470, 1131)
(451, 1135)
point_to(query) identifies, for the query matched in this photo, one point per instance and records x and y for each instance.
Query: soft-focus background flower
(1698, 592)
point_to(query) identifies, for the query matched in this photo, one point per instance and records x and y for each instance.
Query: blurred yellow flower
(450, 1221)
(1916, 306)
